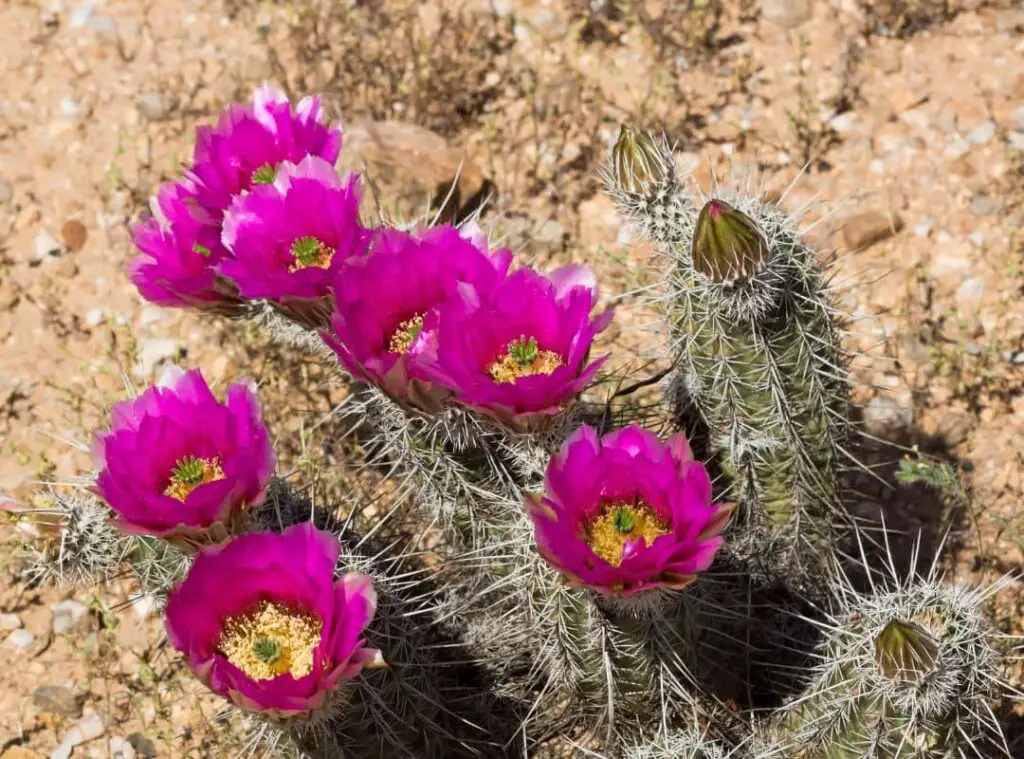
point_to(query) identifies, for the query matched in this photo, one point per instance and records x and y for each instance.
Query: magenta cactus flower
(263, 623)
(179, 464)
(249, 143)
(626, 512)
(409, 276)
(179, 248)
(519, 353)
(289, 238)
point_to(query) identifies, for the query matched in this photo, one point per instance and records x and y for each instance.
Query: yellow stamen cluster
(189, 473)
(270, 641)
(523, 358)
(619, 522)
(309, 252)
(406, 334)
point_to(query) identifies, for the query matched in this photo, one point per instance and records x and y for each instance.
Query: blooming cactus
(179, 464)
(409, 277)
(180, 246)
(248, 145)
(289, 238)
(519, 353)
(626, 512)
(263, 623)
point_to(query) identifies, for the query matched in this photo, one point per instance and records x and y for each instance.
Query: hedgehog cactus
(756, 341)
(581, 583)
(906, 672)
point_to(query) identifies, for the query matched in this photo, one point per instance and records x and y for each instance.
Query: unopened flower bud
(727, 244)
(637, 160)
(905, 652)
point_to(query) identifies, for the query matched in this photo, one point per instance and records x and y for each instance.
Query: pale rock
(885, 412)
(19, 639)
(145, 605)
(924, 227)
(67, 614)
(786, 13)
(984, 205)
(93, 317)
(155, 351)
(121, 748)
(47, 248)
(970, 293)
(982, 133)
(154, 106)
(10, 622)
(150, 315)
(89, 728)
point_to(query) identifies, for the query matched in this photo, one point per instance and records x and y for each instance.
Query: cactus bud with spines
(644, 182)
(908, 671)
(759, 357)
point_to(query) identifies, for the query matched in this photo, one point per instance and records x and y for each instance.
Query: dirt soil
(908, 117)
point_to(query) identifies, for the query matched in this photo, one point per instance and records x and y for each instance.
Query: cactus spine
(756, 340)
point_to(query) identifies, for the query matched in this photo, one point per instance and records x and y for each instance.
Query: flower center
(406, 334)
(620, 522)
(189, 473)
(309, 251)
(270, 641)
(265, 174)
(523, 358)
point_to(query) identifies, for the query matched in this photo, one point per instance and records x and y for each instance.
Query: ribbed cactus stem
(758, 350)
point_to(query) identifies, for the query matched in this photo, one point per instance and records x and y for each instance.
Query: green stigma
(201, 250)
(623, 520)
(267, 650)
(264, 174)
(188, 471)
(307, 250)
(523, 351)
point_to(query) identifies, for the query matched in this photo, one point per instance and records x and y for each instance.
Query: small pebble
(74, 234)
(982, 133)
(86, 729)
(66, 614)
(47, 248)
(93, 317)
(983, 205)
(56, 699)
(924, 227)
(154, 106)
(19, 639)
(121, 748)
